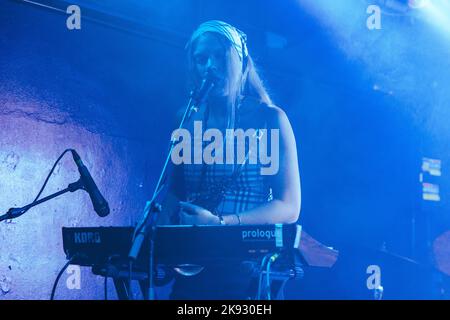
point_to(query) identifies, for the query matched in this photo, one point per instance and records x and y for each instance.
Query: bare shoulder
(254, 114)
(276, 117)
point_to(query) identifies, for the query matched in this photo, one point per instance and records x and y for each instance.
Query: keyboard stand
(121, 279)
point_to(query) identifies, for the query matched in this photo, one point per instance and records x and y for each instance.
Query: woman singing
(233, 189)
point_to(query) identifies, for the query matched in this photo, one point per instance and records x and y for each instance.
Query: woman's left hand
(192, 214)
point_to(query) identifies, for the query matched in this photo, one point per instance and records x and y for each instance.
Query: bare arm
(285, 184)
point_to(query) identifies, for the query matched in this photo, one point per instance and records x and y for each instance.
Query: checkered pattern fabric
(217, 189)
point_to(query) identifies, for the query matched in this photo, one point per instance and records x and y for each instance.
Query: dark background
(365, 106)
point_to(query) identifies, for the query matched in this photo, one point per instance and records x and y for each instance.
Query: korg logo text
(258, 234)
(87, 237)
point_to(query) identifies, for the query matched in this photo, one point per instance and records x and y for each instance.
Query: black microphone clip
(199, 95)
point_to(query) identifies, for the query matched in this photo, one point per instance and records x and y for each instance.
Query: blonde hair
(242, 79)
(248, 82)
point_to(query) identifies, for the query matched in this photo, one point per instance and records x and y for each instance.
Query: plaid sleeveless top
(226, 189)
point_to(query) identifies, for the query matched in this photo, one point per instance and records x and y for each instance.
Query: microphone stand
(17, 212)
(152, 208)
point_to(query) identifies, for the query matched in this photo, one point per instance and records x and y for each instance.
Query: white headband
(237, 38)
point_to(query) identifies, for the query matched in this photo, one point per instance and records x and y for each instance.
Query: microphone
(208, 82)
(101, 206)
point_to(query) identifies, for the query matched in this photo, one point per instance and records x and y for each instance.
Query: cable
(45, 182)
(17, 212)
(269, 263)
(268, 279)
(258, 297)
(50, 174)
(55, 284)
